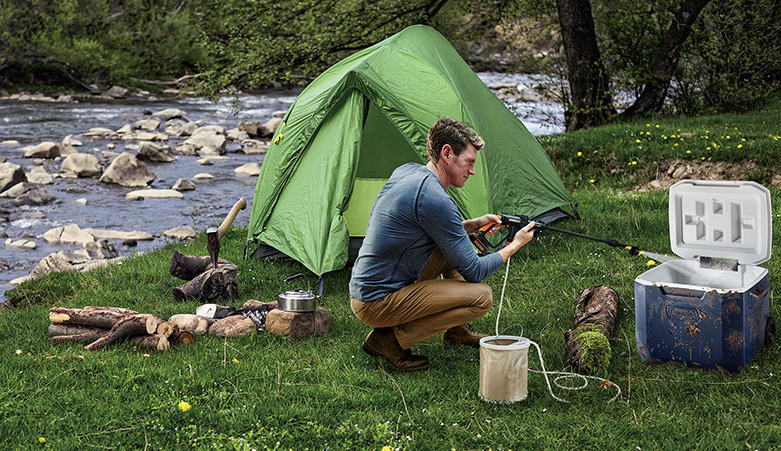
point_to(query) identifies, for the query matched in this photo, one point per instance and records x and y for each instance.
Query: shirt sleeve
(440, 218)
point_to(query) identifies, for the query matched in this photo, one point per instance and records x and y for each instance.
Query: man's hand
(473, 225)
(522, 237)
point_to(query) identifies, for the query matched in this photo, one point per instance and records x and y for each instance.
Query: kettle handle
(288, 279)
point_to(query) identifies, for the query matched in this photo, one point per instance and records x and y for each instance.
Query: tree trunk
(591, 103)
(654, 93)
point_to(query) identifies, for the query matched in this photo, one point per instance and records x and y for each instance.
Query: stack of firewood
(103, 326)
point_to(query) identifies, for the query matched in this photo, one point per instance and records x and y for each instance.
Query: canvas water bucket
(504, 365)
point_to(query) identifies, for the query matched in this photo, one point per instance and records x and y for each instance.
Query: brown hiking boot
(381, 342)
(462, 335)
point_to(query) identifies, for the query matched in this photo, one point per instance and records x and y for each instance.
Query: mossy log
(587, 343)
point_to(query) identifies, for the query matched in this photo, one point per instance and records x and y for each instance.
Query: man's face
(460, 167)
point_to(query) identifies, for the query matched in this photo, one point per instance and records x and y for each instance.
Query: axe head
(213, 244)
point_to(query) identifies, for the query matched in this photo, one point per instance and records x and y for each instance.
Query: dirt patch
(671, 171)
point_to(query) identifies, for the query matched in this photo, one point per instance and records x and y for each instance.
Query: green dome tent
(368, 114)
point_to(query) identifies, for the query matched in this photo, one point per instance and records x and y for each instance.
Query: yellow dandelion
(235, 360)
(650, 263)
(184, 406)
(580, 154)
(592, 181)
(688, 151)
(740, 145)
(647, 125)
(387, 448)
(657, 125)
(675, 145)
(637, 140)
(41, 440)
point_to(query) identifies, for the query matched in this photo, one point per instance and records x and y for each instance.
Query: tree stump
(188, 267)
(587, 344)
(221, 283)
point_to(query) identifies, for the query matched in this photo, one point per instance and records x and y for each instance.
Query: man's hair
(447, 130)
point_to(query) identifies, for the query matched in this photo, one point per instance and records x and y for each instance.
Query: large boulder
(171, 113)
(126, 170)
(267, 129)
(156, 153)
(81, 165)
(206, 141)
(10, 175)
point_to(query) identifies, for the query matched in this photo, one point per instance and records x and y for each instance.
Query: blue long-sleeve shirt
(412, 216)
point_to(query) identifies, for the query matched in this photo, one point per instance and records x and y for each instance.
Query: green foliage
(256, 42)
(731, 60)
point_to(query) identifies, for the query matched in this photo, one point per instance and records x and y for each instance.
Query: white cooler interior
(688, 274)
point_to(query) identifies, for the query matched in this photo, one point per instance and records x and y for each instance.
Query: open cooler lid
(721, 219)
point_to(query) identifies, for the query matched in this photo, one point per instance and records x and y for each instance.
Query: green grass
(268, 392)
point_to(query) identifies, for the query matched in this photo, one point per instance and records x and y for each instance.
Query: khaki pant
(427, 306)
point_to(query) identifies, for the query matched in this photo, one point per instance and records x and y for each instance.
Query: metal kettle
(296, 300)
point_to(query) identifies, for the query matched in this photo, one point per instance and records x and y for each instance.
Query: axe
(214, 234)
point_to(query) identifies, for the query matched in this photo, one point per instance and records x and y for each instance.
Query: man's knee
(483, 296)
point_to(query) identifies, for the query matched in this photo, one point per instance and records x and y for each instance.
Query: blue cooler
(710, 309)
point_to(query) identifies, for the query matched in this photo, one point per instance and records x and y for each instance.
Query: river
(30, 123)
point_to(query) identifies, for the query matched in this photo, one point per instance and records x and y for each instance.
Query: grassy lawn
(266, 392)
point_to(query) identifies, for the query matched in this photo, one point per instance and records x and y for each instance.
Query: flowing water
(30, 123)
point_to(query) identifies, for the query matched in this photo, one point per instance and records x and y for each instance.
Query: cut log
(587, 344)
(152, 341)
(221, 283)
(104, 319)
(128, 327)
(120, 310)
(63, 333)
(188, 322)
(188, 267)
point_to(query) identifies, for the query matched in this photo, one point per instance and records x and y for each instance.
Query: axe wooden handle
(226, 224)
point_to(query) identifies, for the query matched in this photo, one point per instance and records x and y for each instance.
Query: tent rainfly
(354, 124)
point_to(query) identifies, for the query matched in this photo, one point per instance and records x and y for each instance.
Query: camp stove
(710, 309)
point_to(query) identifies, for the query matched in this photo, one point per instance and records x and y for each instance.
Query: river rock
(156, 153)
(39, 176)
(251, 128)
(126, 170)
(203, 176)
(297, 325)
(43, 150)
(81, 165)
(92, 255)
(9, 143)
(267, 129)
(16, 190)
(116, 92)
(67, 150)
(178, 129)
(69, 234)
(116, 235)
(10, 174)
(153, 194)
(183, 185)
(252, 169)
(147, 124)
(100, 132)
(181, 233)
(171, 113)
(21, 244)
(236, 135)
(206, 142)
(35, 196)
(254, 146)
(71, 141)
